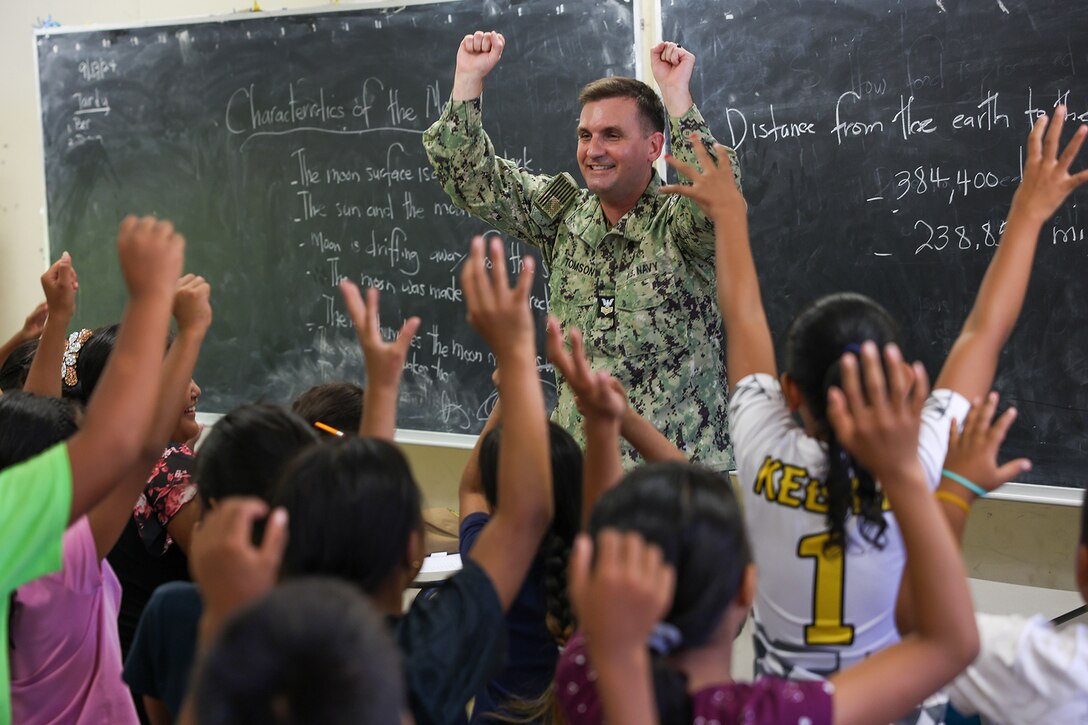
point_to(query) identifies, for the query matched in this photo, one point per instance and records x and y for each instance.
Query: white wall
(1026, 545)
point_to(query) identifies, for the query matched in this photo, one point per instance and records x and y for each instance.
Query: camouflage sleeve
(480, 182)
(694, 232)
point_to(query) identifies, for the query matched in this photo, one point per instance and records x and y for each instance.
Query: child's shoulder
(768, 699)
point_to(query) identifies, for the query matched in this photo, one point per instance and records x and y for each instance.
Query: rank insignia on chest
(606, 309)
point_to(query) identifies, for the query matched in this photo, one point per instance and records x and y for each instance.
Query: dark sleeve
(470, 529)
(140, 668)
(452, 644)
(163, 650)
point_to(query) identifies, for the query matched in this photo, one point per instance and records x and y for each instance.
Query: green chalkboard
(881, 142)
(287, 148)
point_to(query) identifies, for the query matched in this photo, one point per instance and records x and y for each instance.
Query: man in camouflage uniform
(634, 270)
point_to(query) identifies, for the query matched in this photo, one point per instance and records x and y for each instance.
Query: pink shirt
(65, 655)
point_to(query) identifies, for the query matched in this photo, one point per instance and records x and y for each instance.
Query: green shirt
(643, 291)
(35, 502)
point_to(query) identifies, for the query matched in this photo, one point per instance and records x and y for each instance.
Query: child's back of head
(555, 550)
(815, 342)
(337, 405)
(15, 369)
(247, 449)
(353, 507)
(693, 515)
(30, 423)
(85, 360)
(312, 651)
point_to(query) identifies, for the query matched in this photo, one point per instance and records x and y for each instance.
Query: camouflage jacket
(643, 291)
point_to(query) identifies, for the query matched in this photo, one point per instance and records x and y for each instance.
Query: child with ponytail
(664, 579)
(830, 551)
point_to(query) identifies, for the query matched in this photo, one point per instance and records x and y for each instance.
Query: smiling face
(616, 150)
(187, 428)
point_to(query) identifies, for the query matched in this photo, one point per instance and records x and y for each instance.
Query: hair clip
(665, 638)
(71, 356)
(852, 347)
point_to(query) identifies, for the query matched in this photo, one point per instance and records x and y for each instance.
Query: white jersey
(1026, 672)
(816, 612)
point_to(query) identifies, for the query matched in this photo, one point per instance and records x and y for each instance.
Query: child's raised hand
(192, 303)
(34, 323)
(597, 394)
(713, 186)
(498, 312)
(60, 284)
(151, 254)
(1047, 181)
(224, 561)
(384, 360)
(972, 453)
(879, 425)
(621, 594)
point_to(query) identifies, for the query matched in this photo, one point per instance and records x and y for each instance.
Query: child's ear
(791, 391)
(746, 595)
(415, 552)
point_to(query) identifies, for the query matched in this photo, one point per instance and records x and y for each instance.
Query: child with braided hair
(539, 621)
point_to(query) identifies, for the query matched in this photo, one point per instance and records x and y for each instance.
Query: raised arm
(508, 543)
(471, 498)
(384, 361)
(879, 427)
(31, 330)
(230, 569)
(193, 312)
(619, 598)
(969, 368)
(471, 173)
(714, 189)
(59, 284)
(602, 407)
(119, 414)
(672, 67)
(650, 443)
(972, 455)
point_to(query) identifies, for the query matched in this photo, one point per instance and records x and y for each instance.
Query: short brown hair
(649, 105)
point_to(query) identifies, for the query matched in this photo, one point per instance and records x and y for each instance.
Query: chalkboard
(881, 143)
(287, 148)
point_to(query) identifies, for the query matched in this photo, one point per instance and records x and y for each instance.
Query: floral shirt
(169, 487)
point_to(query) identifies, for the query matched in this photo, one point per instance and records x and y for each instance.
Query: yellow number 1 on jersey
(827, 592)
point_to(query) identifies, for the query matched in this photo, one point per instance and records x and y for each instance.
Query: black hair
(352, 505)
(693, 515)
(339, 405)
(554, 553)
(650, 107)
(15, 369)
(815, 343)
(312, 651)
(29, 424)
(247, 449)
(90, 362)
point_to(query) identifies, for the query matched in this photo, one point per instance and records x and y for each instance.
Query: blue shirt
(532, 652)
